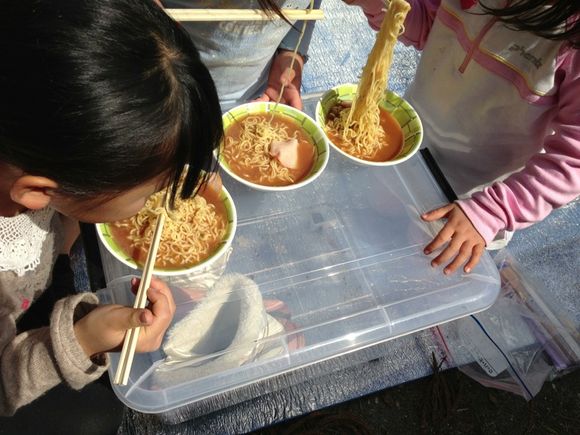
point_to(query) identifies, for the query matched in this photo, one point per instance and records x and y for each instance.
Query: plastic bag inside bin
(518, 343)
(200, 280)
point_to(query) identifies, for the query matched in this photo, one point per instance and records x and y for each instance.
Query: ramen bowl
(397, 106)
(298, 119)
(208, 269)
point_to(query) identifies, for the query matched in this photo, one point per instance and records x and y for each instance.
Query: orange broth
(393, 139)
(306, 151)
(139, 254)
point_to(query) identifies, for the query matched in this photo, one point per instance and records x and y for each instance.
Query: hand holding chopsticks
(132, 336)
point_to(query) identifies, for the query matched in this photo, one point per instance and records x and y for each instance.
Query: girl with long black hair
(102, 103)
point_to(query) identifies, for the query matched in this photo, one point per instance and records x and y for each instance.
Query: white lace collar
(21, 240)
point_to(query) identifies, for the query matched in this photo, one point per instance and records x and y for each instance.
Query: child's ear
(33, 192)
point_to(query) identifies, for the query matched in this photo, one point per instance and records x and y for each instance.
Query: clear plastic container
(339, 267)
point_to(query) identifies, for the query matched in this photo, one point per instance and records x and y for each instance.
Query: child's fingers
(272, 92)
(448, 253)
(162, 308)
(162, 304)
(287, 76)
(157, 284)
(263, 97)
(162, 287)
(124, 318)
(475, 256)
(155, 288)
(293, 99)
(135, 284)
(273, 305)
(464, 253)
(438, 213)
(440, 239)
(145, 317)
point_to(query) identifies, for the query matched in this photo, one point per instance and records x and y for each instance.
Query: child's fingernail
(467, 269)
(446, 271)
(133, 281)
(143, 318)
(426, 251)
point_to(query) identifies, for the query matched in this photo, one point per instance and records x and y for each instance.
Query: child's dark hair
(558, 19)
(271, 6)
(102, 95)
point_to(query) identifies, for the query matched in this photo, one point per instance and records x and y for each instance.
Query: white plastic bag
(516, 344)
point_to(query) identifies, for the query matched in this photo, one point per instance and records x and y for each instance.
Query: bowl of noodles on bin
(392, 132)
(195, 240)
(272, 147)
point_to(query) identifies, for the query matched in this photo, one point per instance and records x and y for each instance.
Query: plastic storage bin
(339, 265)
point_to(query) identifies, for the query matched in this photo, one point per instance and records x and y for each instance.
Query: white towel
(225, 330)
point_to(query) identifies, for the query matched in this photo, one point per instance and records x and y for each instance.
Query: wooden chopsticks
(132, 335)
(242, 14)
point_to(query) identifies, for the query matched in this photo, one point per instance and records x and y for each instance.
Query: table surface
(548, 252)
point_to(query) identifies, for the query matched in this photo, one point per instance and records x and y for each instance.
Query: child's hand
(104, 328)
(464, 242)
(280, 72)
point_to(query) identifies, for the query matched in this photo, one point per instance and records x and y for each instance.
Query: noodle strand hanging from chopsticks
(359, 125)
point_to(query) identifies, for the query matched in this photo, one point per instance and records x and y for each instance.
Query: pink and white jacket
(500, 108)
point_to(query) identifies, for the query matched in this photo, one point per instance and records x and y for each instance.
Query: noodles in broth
(192, 232)
(247, 149)
(359, 125)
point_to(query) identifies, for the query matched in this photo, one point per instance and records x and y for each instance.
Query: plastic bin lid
(314, 273)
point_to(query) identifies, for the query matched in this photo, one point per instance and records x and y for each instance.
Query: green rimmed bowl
(401, 110)
(112, 246)
(307, 124)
